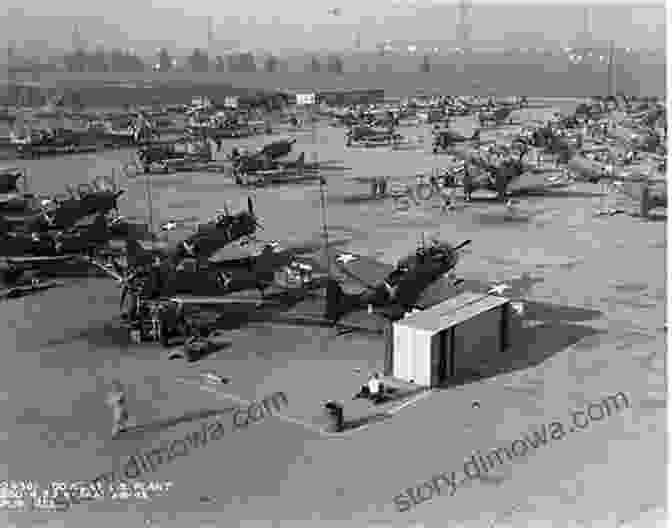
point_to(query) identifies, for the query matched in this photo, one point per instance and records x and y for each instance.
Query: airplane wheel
(164, 335)
(11, 275)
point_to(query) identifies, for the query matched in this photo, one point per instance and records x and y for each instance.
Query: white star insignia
(189, 248)
(345, 258)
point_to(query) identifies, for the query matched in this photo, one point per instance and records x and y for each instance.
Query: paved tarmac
(599, 291)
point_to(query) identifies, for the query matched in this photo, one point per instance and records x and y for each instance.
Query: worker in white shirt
(374, 385)
(372, 390)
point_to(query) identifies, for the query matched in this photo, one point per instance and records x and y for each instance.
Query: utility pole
(610, 70)
(150, 207)
(10, 74)
(323, 200)
(211, 36)
(464, 24)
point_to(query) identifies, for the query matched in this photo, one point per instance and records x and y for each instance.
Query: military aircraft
(61, 215)
(390, 291)
(638, 139)
(167, 155)
(170, 285)
(583, 168)
(446, 138)
(370, 135)
(508, 174)
(21, 252)
(264, 157)
(274, 162)
(208, 238)
(497, 116)
(641, 184)
(58, 141)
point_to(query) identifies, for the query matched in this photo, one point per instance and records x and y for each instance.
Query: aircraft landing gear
(11, 275)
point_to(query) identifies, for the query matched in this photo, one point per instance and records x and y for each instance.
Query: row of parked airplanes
(123, 129)
(591, 145)
(159, 280)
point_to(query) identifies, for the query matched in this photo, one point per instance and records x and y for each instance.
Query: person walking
(117, 401)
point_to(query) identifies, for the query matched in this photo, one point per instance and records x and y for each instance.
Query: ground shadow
(357, 423)
(556, 193)
(184, 204)
(547, 312)
(73, 269)
(193, 356)
(332, 165)
(495, 219)
(350, 199)
(655, 217)
(157, 426)
(103, 335)
(533, 346)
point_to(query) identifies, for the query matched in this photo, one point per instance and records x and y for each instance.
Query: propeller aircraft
(203, 243)
(21, 252)
(446, 138)
(497, 116)
(390, 291)
(502, 174)
(365, 134)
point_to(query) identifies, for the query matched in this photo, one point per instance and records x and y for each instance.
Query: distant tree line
(199, 61)
(103, 61)
(334, 64)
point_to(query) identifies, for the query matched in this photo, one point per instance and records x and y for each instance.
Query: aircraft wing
(224, 299)
(39, 259)
(364, 270)
(536, 180)
(23, 290)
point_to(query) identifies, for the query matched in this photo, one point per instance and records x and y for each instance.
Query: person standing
(468, 182)
(117, 401)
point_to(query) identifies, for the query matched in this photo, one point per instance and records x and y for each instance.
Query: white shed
(429, 346)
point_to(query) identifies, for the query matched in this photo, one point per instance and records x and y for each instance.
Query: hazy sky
(302, 24)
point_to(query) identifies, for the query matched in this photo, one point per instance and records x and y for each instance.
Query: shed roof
(453, 311)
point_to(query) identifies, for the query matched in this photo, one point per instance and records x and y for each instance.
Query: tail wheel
(500, 183)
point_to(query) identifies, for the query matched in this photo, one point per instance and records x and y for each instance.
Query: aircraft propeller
(250, 210)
